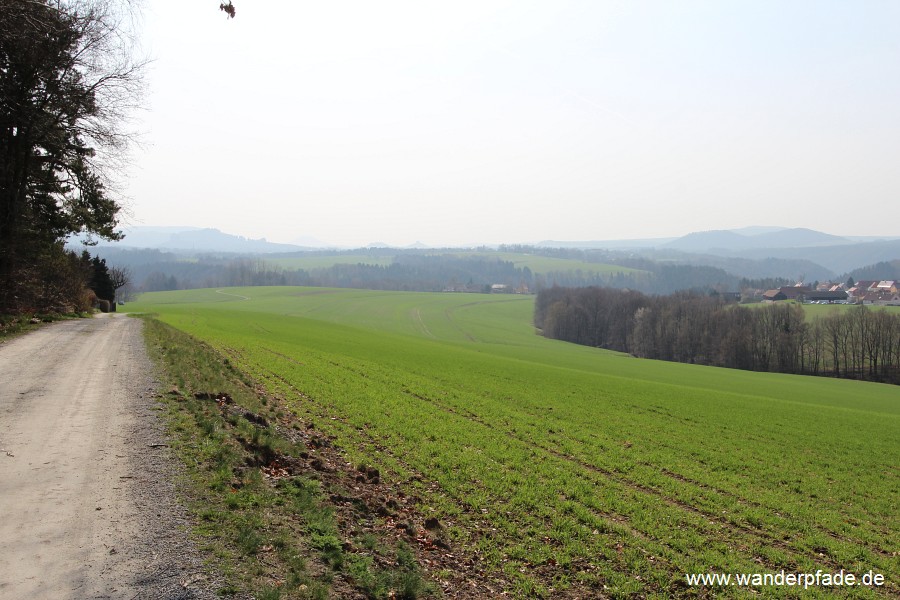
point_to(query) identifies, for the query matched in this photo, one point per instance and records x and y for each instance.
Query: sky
(462, 123)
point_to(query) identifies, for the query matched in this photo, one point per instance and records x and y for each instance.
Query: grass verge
(276, 507)
(15, 325)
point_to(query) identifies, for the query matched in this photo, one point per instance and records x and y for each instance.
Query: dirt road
(87, 505)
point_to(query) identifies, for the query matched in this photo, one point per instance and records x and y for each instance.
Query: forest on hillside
(859, 343)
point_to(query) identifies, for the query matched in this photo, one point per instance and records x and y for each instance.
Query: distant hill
(703, 241)
(149, 237)
(757, 229)
(213, 239)
(731, 241)
(768, 267)
(739, 266)
(197, 240)
(761, 251)
(882, 270)
(796, 238)
(722, 240)
(757, 251)
(841, 258)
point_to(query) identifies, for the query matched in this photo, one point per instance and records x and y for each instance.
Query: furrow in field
(747, 502)
(714, 496)
(738, 530)
(701, 523)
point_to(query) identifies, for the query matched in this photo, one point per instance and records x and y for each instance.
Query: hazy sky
(509, 121)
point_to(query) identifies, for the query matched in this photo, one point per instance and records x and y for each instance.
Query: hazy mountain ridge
(839, 259)
(197, 239)
(755, 251)
(208, 239)
(704, 241)
(752, 268)
(731, 241)
(213, 239)
(760, 251)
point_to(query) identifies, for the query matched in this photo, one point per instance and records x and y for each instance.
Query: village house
(830, 286)
(879, 297)
(888, 286)
(862, 287)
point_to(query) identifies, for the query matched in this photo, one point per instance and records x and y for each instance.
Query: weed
(248, 539)
(268, 593)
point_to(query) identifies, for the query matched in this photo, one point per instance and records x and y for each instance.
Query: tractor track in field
(759, 534)
(420, 324)
(747, 502)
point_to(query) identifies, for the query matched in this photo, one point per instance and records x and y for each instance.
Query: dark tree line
(686, 327)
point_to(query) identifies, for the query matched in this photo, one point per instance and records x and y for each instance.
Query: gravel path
(87, 500)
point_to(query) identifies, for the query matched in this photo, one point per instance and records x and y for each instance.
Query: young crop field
(565, 471)
(823, 310)
(815, 311)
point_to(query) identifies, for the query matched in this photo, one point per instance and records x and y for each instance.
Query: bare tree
(120, 277)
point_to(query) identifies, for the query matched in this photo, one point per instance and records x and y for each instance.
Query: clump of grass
(268, 593)
(405, 581)
(248, 538)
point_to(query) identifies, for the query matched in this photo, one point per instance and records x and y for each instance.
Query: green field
(823, 310)
(566, 469)
(815, 311)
